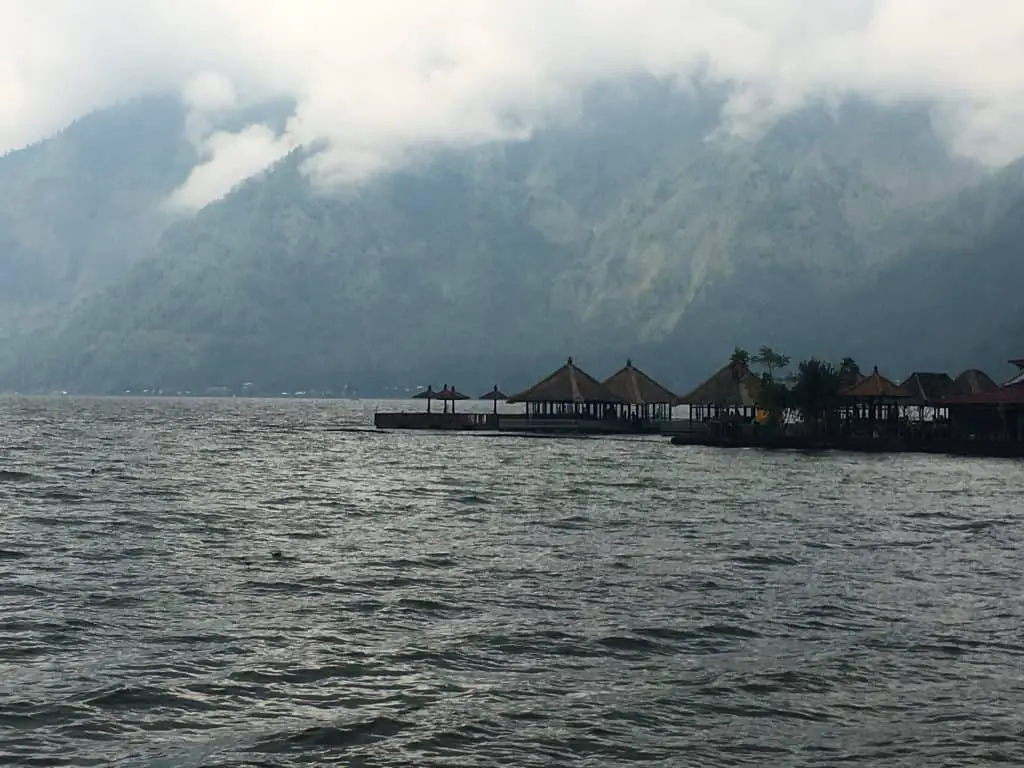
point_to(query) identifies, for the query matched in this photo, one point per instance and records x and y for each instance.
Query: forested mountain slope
(630, 227)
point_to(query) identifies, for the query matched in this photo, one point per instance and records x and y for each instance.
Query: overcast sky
(376, 77)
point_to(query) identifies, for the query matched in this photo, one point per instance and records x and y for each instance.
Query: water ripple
(239, 583)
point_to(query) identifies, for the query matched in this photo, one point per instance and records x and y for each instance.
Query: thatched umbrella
(427, 394)
(494, 396)
(450, 394)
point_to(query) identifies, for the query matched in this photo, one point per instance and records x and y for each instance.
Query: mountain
(84, 204)
(955, 298)
(631, 226)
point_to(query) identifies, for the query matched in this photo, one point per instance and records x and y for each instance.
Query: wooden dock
(547, 425)
(949, 447)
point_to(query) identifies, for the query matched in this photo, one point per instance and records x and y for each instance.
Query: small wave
(13, 554)
(728, 630)
(631, 643)
(668, 633)
(69, 497)
(146, 697)
(328, 737)
(101, 600)
(303, 675)
(978, 525)
(273, 586)
(574, 522)
(13, 476)
(787, 681)
(427, 561)
(285, 501)
(428, 607)
(762, 561)
(305, 535)
(21, 590)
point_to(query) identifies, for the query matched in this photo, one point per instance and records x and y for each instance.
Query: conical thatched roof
(569, 384)
(926, 388)
(733, 385)
(451, 393)
(494, 394)
(427, 394)
(973, 382)
(875, 386)
(446, 393)
(637, 388)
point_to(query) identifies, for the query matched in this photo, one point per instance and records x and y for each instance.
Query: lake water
(447, 599)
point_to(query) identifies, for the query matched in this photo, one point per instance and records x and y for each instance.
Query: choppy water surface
(459, 600)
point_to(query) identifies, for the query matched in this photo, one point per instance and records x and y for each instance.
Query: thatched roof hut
(637, 388)
(973, 382)
(731, 386)
(495, 395)
(927, 388)
(875, 387)
(569, 384)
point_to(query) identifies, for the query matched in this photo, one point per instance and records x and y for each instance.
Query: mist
(373, 81)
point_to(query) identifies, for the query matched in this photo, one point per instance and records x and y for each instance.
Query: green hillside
(84, 204)
(623, 229)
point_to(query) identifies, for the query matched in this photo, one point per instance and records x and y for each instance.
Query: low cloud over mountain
(373, 81)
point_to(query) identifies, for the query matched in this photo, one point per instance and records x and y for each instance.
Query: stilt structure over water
(569, 399)
(647, 400)
(729, 395)
(872, 406)
(995, 415)
(970, 416)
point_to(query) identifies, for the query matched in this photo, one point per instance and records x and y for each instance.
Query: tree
(740, 358)
(849, 372)
(775, 398)
(771, 361)
(815, 391)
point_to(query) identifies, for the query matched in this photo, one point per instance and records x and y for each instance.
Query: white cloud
(375, 79)
(231, 158)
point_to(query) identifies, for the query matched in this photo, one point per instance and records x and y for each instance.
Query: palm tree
(771, 361)
(740, 358)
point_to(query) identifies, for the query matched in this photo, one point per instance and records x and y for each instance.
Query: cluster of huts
(971, 406)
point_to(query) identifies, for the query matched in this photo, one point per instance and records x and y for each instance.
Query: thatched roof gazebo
(874, 399)
(875, 387)
(732, 389)
(646, 397)
(926, 389)
(993, 414)
(569, 391)
(973, 382)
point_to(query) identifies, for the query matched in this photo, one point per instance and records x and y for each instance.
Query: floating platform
(441, 421)
(495, 422)
(945, 446)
